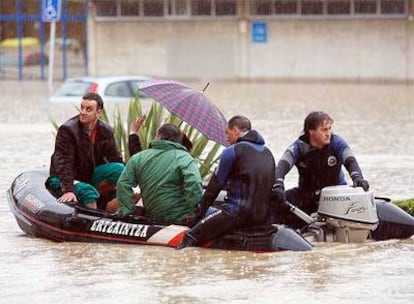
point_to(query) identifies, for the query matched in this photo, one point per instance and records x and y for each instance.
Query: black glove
(360, 182)
(278, 193)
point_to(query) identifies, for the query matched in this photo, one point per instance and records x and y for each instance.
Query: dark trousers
(214, 225)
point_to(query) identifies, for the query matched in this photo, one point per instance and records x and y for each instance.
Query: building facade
(356, 40)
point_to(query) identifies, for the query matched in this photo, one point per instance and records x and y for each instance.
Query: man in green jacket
(168, 176)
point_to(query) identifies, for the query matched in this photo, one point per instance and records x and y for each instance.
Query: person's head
(318, 128)
(90, 109)
(170, 132)
(236, 127)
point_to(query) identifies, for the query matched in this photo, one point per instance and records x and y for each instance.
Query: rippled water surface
(376, 120)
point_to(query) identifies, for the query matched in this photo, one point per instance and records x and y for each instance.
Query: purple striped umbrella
(190, 105)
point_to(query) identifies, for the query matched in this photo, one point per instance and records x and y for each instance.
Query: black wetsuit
(317, 168)
(247, 172)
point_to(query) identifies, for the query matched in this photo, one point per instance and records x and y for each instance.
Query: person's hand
(137, 123)
(112, 206)
(278, 193)
(68, 197)
(360, 182)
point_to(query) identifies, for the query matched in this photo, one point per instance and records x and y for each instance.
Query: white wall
(296, 49)
(347, 49)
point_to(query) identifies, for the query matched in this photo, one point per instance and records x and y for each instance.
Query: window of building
(365, 6)
(226, 8)
(130, 8)
(106, 8)
(153, 8)
(338, 7)
(261, 7)
(268, 8)
(286, 7)
(312, 7)
(393, 7)
(177, 7)
(200, 7)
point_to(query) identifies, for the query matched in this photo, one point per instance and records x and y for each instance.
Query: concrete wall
(349, 49)
(175, 49)
(335, 49)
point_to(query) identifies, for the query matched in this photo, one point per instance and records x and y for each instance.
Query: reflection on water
(377, 122)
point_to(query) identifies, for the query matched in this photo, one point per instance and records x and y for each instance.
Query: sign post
(51, 11)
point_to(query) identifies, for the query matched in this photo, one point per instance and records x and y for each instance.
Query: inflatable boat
(345, 214)
(38, 213)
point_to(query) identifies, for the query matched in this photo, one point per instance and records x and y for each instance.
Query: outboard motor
(351, 212)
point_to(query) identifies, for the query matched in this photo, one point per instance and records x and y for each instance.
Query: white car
(110, 88)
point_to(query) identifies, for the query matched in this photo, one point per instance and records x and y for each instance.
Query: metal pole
(64, 54)
(20, 37)
(85, 36)
(42, 43)
(51, 54)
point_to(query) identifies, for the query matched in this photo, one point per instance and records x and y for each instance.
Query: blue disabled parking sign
(51, 10)
(259, 31)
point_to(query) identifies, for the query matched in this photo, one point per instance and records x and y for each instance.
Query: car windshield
(73, 88)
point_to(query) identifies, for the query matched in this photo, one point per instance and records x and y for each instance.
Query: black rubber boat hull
(39, 214)
(394, 222)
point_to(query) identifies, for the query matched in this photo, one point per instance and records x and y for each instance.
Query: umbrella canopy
(190, 105)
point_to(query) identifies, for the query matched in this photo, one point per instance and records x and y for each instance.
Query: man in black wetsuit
(318, 155)
(247, 171)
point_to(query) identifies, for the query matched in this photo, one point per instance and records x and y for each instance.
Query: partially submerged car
(110, 88)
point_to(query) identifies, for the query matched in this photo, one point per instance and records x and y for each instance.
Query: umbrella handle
(206, 86)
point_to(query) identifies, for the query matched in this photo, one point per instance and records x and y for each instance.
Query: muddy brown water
(378, 122)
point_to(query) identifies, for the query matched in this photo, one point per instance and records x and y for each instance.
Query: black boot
(187, 241)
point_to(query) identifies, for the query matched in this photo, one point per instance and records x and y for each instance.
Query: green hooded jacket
(169, 179)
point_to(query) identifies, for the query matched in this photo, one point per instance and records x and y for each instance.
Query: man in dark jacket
(318, 155)
(82, 144)
(247, 170)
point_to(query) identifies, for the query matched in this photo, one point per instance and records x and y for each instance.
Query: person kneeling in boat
(86, 163)
(318, 155)
(168, 176)
(247, 167)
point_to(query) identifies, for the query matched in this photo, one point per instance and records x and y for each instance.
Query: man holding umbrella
(247, 169)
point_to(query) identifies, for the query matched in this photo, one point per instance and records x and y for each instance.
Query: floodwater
(378, 123)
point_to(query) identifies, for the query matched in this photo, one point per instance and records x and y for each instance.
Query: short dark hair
(314, 120)
(170, 132)
(241, 122)
(96, 97)
(186, 142)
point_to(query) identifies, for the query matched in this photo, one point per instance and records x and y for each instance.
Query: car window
(73, 88)
(118, 89)
(134, 86)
